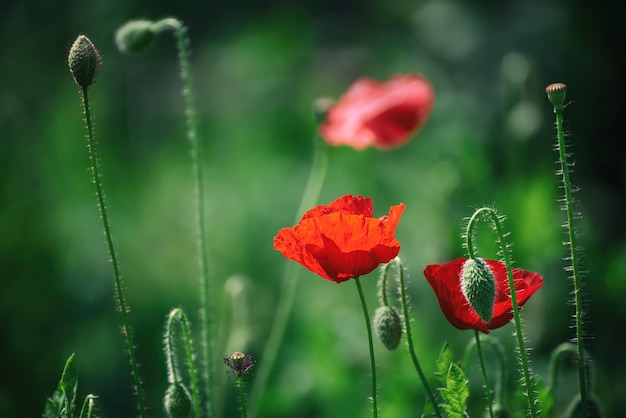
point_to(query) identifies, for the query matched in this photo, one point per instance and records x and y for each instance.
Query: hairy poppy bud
(575, 410)
(177, 401)
(135, 36)
(478, 287)
(83, 60)
(388, 326)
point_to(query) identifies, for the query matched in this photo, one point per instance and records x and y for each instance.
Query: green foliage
(455, 393)
(62, 403)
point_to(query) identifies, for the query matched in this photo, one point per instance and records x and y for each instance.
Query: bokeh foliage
(257, 68)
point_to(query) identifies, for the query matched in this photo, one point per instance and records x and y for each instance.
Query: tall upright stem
(311, 194)
(119, 290)
(573, 257)
(371, 346)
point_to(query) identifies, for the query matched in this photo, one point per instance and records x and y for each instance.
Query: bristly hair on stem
(556, 95)
(84, 61)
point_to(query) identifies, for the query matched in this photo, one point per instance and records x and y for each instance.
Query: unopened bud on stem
(84, 61)
(479, 287)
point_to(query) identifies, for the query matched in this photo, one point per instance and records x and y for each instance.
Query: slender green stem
(311, 194)
(198, 171)
(573, 254)
(179, 316)
(371, 345)
(119, 290)
(242, 399)
(509, 270)
(499, 352)
(483, 370)
(409, 337)
(88, 405)
(382, 286)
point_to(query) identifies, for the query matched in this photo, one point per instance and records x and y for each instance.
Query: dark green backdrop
(257, 67)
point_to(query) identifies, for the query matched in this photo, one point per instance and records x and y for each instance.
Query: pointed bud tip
(556, 94)
(135, 36)
(83, 61)
(388, 326)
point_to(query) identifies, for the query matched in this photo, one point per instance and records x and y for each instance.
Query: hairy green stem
(371, 345)
(119, 290)
(483, 370)
(242, 399)
(311, 194)
(177, 315)
(198, 172)
(409, 337)
(573, 254)
(88, 406)
(509, 270)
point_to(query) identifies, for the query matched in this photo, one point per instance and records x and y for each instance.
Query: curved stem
(371, 345)
(178, 315)
(119, 290)
(409, 337)
(573, 256)
(483, 370)
(509, 271)
(290, 279)
(198, 171)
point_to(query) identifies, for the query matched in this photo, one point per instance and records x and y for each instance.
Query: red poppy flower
(383, 115)
(446, 282)
(342, 240)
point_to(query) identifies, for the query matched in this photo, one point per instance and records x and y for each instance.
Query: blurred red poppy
(446, 282)
(382, 115)
(342, 240)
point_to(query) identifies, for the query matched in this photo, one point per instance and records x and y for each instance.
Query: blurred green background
(257, 67)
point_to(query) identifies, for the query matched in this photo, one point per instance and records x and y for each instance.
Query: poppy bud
(177, 401)
(135, 36)
(83, 60)
(479, 287)
(556, 94)
(499, 411)
(593, 408)
(239, 363)
(388, 326)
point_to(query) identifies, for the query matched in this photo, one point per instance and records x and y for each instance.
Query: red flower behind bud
(446, 282)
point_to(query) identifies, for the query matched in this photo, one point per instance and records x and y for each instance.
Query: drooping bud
(84, 61)
(177, 401)
(479, 287)
(499, 411)
(135, 36)
(556, 94)
(575, 410)
(388, 326)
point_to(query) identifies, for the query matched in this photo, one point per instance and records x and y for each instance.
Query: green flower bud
(556, 94)
(135, 36)
(593, 408)
(84, 61)
(479, 287)
(499, 411)
(177, 401)
(388, 326)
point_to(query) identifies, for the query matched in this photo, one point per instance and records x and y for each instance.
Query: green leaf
(61, 403)
(443, 363)
(455, 393)
(69, 383)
